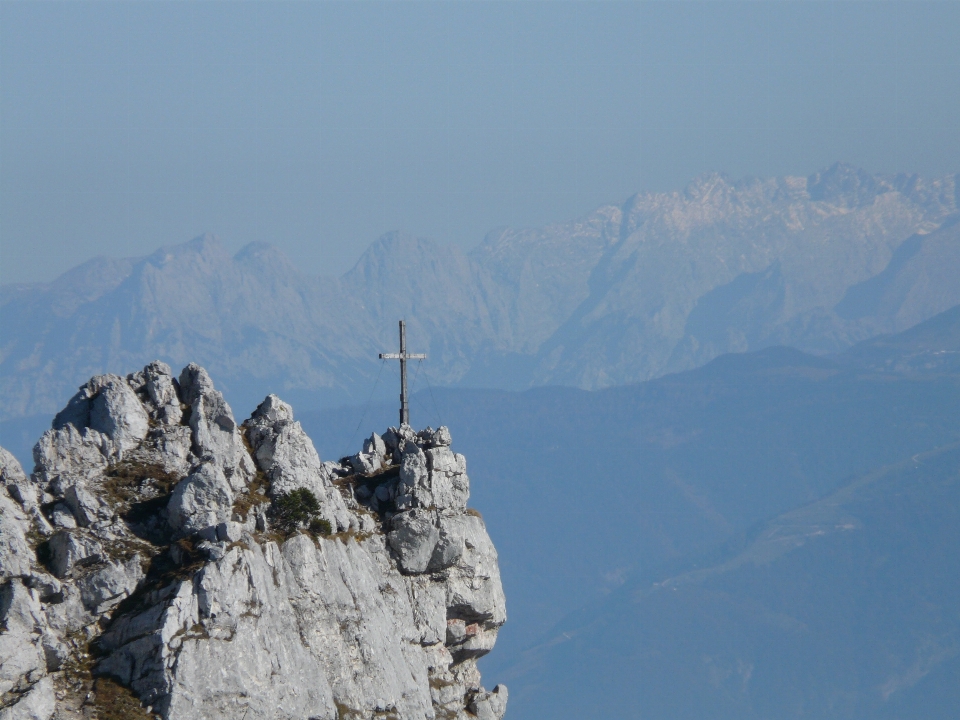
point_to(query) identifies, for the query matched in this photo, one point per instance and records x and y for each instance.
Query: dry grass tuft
(113, 701)
(254, 495)
(127, 481)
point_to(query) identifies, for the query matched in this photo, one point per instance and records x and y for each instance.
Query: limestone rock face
(108, 405)
(202, 500)
(215, 432)
(285, 454)
(15, 551)
(211, 569)
(413, 538)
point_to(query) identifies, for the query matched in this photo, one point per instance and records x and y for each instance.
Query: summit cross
(403, 356)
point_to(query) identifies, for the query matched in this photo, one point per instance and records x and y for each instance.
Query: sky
(318, 127)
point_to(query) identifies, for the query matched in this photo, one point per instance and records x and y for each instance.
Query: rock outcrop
(164, 561)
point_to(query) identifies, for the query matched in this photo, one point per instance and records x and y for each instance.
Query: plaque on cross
(403, 356)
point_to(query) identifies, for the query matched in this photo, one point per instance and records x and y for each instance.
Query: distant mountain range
(661, 283)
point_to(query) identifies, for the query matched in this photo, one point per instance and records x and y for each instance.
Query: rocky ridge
(164, 561)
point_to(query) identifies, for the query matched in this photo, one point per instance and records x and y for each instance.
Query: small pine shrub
(295, 510)
(319, 526)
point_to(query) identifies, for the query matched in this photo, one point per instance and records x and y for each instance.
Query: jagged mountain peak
(259, 251)
(160, 551)
(844, 184)
(205, 253)
(270, 264)
(709, 186)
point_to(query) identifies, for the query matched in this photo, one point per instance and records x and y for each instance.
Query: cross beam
(403, 356)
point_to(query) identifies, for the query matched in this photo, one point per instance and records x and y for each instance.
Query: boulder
(15, 551)
(271, 411)
(20, 609)
(394, 438)
(37, 703)
(161, 389)
(375, 446)
(11, 473)
(229, 532)
(62, 516)
(474, 590)
(67, 451)
(450, 546)
(214, 431)
(430, 438)
(86, 507)
(117, 413)
(413, 538)
(202, 500)
(365, 464)
(110, 406)
(414, 475)
(449, 484)
(490, 705)
(69, 549)
(107, 586)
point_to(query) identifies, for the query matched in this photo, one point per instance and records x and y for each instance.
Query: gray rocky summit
(162, 560)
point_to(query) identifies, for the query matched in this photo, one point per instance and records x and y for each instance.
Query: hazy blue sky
(317, 127)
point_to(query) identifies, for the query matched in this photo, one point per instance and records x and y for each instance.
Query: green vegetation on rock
(297, 510)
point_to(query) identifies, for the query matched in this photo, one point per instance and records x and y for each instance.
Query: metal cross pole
(403, 356)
